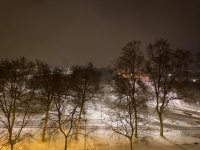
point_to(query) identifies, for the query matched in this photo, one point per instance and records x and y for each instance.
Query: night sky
(93, 30)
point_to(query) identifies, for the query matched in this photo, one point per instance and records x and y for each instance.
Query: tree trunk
(131, 143)
(159, 112)
(78, 122)
(66, 143)
(161, 123)
(136, 124)
(11, 146)
(10, 139)
(11, 127)
(45, 126)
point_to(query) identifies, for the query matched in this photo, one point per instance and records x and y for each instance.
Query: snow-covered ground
(102, 139)
(173, 140)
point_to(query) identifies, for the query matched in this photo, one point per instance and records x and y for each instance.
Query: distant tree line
(28, 88)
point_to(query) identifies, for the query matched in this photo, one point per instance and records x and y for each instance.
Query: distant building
(65, 63)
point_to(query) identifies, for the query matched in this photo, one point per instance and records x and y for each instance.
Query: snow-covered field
(102, 140)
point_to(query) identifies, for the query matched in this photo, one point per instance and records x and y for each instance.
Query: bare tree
(165, 68)
(15, 99)
(131, 91)
(46, 81)
(85, 86)
(66, 118)
(64, 106)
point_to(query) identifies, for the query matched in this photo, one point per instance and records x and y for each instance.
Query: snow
(173, 140)
(102, 139)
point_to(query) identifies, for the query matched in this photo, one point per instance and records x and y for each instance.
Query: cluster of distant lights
(169, 75)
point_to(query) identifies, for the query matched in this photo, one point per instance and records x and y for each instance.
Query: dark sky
(93, 30)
